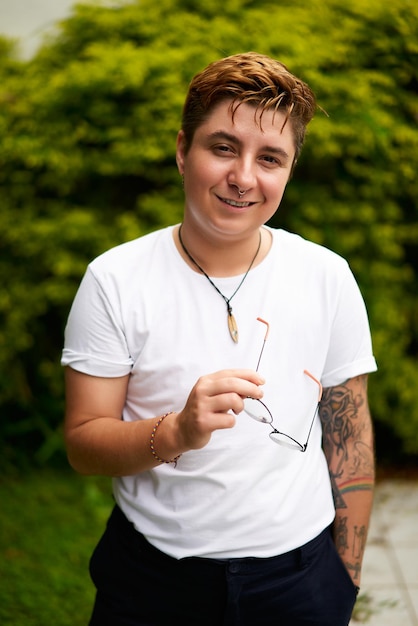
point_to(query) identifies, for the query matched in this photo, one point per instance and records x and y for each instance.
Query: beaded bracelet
(152, 442)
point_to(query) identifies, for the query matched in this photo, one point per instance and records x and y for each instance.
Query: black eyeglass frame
(276, 435)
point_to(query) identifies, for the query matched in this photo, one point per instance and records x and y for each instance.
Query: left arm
(348, 446)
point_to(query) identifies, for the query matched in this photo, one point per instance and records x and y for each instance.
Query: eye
(270, 160)
(223, 149)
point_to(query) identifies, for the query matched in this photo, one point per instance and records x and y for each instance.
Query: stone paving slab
(389, 588)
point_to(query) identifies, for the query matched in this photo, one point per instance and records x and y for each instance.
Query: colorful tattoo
(357, 484)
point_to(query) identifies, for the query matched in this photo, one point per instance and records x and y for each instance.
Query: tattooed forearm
(347, 439)
(348, 447)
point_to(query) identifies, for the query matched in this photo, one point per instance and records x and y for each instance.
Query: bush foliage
(87, 140)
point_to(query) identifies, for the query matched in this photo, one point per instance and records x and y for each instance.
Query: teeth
(237, 204)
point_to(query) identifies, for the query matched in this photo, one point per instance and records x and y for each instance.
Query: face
(228, 155)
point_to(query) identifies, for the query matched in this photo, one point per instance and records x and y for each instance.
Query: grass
(49, 524)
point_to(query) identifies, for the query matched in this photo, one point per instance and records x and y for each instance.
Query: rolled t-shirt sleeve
(350, 347)
(95, 341)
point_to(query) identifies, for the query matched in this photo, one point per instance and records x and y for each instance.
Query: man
(171, 342)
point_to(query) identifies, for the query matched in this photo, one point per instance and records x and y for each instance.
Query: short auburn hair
(254, 79)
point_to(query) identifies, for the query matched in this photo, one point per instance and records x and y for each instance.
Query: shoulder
(297, 251)
(132, 256)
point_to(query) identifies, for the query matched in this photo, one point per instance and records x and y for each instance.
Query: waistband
(118, 522)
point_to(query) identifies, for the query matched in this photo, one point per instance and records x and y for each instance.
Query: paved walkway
(389, 587)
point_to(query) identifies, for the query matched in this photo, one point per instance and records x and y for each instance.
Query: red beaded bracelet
(152, 442)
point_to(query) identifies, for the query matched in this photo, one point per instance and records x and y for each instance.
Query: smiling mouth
(235, 203)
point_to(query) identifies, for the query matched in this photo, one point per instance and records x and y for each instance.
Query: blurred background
(90, 104)
(28, 21)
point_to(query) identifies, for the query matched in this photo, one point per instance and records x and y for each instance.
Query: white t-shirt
(141, 309)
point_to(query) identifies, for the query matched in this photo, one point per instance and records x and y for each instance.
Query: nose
(242, 175)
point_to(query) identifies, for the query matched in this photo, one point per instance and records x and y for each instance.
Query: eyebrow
(221, 134)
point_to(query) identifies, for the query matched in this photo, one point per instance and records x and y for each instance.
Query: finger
(231, 385)
(222, 421)
(222, 404)
(244, 374)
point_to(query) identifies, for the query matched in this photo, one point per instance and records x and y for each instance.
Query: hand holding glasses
(261, 413)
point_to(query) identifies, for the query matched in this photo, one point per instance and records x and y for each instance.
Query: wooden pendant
(233, 328)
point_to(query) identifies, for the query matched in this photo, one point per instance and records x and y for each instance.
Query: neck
(222, 259)
(232, 324)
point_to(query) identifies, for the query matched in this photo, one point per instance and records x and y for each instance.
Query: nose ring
(241, 193)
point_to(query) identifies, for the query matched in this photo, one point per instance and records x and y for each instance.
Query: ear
(180, 152)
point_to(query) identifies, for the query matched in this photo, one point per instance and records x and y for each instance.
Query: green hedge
(87, 140)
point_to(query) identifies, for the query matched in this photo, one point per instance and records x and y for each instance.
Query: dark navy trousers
(137, 585)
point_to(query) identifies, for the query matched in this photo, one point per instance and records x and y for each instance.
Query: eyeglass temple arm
(260, 319)
(316, 381)
(264, 341)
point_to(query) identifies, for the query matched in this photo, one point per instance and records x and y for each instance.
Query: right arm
(98, 441)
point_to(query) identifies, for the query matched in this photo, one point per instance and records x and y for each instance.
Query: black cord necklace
(232, 324)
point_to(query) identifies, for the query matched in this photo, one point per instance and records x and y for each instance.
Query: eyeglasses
(261, 413)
